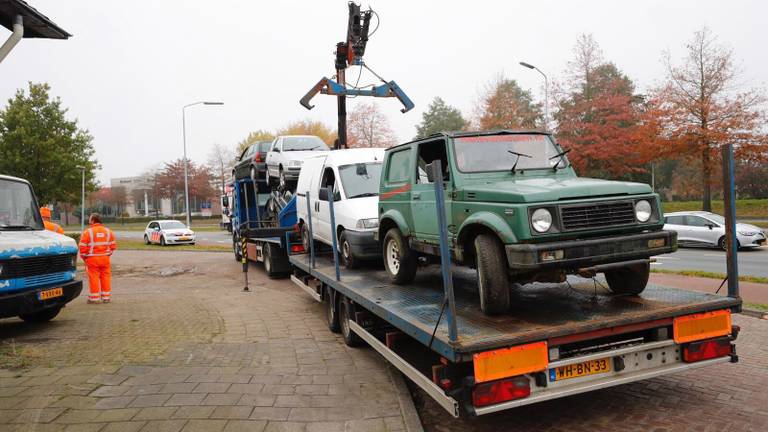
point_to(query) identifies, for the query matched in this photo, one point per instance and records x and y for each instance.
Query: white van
(354, 176)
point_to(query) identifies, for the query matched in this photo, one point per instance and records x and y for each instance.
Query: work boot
(105, 301)
(94, 301)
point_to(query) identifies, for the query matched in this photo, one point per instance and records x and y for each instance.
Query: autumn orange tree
(600, 117)
(368, 127)
(309, 127)
(506, 105)
(700, 108)
(170, 182)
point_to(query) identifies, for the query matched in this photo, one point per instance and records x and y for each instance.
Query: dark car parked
(252, 162)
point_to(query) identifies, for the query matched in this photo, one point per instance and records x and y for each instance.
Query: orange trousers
(99, 277)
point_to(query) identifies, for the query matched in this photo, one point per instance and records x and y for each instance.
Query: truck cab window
(428, 153)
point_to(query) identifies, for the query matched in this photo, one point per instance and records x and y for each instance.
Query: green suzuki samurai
(518, 213)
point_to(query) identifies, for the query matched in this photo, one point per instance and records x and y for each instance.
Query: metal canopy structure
(36, 25)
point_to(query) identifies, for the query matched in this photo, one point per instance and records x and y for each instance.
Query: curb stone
(755, 313)
(405, 400)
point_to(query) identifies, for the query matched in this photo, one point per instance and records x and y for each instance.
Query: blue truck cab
(37, 267)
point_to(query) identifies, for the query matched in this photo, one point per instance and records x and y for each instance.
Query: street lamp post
(82, 200)
(546, 92)
(184, 137)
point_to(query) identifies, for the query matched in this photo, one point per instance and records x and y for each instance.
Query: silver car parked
(699, 228)
(287, 154)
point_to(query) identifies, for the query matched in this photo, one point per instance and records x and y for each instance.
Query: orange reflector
(702, 326)
(507, 362)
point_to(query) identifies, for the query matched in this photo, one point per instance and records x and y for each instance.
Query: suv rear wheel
(630, 280)
(492, 278)
(399, 258)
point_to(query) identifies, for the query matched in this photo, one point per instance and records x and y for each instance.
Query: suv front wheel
(492, 278)
(630, 280)
(399, 259)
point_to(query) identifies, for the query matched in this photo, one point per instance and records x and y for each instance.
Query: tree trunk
(706, 166)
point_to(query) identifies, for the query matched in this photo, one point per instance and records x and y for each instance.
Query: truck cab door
(423, 207)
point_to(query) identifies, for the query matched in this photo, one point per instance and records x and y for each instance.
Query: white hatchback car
(699, 228)
(168, 232)
(287, 155)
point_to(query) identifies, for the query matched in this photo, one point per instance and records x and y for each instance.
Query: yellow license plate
(51, 293)
(183, 238)
(591, 367)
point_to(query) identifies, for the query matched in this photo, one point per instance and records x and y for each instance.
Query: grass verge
(139, 245)
(710, 275)
(745, 208)
(756, 306)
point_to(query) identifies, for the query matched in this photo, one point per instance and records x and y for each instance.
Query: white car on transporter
(354, 178)
(287, 154)
(168, 232)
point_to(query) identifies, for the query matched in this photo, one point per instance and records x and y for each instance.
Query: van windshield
(500, 152)
(360, 180)
(18, 208)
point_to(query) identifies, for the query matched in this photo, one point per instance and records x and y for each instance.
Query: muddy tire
(399, 259)
(42, 316)
(628, 280)
(492, 278)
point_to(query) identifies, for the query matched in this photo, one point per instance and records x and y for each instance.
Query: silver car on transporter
(700, 228)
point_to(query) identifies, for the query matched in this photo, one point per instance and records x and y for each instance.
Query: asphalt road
(203, 237)
(752, 262)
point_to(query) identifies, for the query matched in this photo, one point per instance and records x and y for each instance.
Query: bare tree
(221, 161)
(368, 127)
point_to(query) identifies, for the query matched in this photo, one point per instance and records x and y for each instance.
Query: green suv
(518, 213)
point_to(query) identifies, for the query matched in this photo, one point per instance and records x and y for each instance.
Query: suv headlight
(367, 223)
(541, 220)
(643, 210)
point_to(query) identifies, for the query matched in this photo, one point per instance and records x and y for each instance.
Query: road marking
(714, 255)
(667, 258)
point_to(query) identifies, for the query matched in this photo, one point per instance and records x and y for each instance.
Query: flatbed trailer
(557, 340)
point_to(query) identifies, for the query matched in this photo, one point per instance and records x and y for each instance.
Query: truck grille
(597, 215)
(34, 266)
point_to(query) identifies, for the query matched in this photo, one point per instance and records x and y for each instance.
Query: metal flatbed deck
(539, 312)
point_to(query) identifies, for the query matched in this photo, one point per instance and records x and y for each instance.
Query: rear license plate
(51, 293)
(591, 367)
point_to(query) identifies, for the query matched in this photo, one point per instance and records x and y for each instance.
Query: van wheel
(399, 259)
(629, 280)
(42, 316)
(492, 278)
(332, 310)
(346, 311)
(349, 260)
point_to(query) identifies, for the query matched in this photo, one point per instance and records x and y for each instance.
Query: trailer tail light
(708, 349)
(508, 362)
(504, 390)
(700, 326)
(297, 248)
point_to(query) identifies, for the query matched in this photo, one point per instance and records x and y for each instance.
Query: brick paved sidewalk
(191, 352)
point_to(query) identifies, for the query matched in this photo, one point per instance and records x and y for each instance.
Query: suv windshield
(497, 153)
(360, 180)
(172, 225)
(18, 208)
(303, 143)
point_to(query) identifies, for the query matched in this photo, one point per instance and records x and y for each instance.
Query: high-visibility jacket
(97, 240)
(53, 226)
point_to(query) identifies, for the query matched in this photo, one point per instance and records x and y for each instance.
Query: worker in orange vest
(97, 243)
(45, 212)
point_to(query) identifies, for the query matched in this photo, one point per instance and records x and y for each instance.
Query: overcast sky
(132, 65)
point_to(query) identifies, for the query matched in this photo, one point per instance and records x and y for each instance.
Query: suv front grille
(597, 215)
(34, 266)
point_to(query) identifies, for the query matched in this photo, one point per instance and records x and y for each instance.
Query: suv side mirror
(323, 194)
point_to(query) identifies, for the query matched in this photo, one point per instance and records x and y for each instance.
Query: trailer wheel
(399, 258)
(629, 280)
(492, 279)
(345, 312)
(347, 258)
(42, 316)
(332, 310)
(269, 266)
